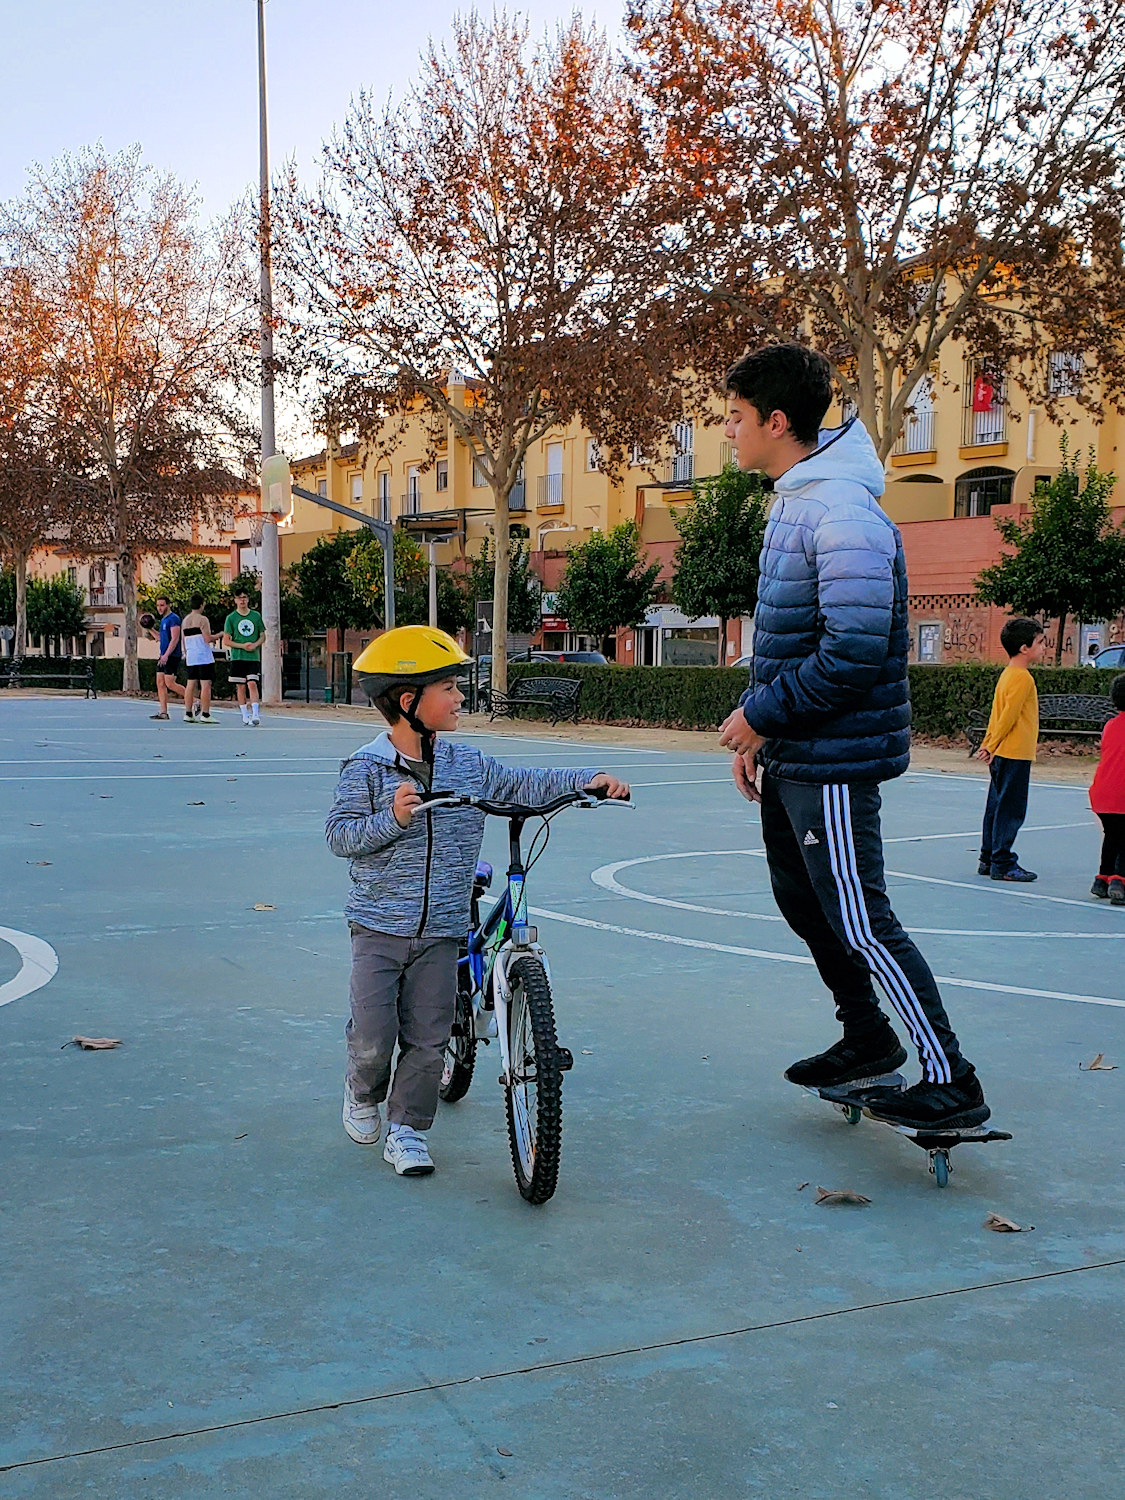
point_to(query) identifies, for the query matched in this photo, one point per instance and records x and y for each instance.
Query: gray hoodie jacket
(417, 881)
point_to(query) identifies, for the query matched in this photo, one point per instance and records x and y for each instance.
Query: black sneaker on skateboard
(851, 1060)
(930, 1108)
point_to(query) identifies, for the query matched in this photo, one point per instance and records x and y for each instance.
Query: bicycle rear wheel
(461, 1048)
(534, 1090)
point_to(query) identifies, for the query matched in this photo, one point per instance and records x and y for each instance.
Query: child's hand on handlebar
(618, 790)
(407, 801)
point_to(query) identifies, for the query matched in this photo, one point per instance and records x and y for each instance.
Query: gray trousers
(402, 991)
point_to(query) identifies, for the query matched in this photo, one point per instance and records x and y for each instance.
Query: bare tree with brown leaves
(147, 331)
(487, 250)
(882, 177)
(33, 507)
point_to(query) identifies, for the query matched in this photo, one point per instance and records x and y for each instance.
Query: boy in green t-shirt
(244, 630)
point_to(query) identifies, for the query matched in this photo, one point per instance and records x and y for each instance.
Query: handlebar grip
(599, 793)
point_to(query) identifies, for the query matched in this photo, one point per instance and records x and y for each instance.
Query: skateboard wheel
(939, 1166)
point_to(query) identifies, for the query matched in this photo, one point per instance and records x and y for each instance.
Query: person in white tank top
(200, 659)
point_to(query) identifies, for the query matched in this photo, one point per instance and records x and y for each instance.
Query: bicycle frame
(503, 936)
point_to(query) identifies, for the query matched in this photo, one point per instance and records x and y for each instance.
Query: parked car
(744, 661)
(1112, 657)
(589, 658)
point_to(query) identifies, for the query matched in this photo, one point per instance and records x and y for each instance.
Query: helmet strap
(427, 736)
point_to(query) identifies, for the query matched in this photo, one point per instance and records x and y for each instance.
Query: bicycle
(504, 994)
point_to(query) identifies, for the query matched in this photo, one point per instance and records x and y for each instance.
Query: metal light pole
(271, 587)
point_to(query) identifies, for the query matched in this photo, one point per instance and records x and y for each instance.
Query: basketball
(147, 621)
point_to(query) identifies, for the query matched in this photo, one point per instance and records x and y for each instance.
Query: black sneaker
(850, 1059)
(1116, 890)
(983, 867)
(1100, 887)
(1017, 875)
(931, 1106)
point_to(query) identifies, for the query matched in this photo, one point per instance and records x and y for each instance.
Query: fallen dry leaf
(35, 825)
(197, 804)
(1099, 1065)
(504, 1452)
(1002, 1225)
(93, 1043)
(105, 796)
(263, 906)
(840, 1195)
(801, 1186)
(38, 861)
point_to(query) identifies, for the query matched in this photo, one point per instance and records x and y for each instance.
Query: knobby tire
(531, 999)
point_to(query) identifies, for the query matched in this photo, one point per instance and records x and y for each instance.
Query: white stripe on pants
(857, 928)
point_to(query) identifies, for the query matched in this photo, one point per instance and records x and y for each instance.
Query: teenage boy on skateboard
(826, 720)
(244, 631)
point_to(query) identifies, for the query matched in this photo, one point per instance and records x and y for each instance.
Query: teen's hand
(736, 734)
(408, 799)
(746, 774)
(618, 790)
(985, 755)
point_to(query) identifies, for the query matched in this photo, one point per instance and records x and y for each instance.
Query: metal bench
(74, 672)
(1066, 716)
(559, 695)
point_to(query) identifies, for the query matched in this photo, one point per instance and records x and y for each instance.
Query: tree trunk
(1059, 642)
(127, 583)
(19, 644)
(722, 641)
(501, 567)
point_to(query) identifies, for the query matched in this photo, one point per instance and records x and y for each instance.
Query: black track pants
(824, 847)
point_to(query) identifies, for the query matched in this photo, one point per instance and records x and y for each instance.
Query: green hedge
(109, 674)
(702, 697)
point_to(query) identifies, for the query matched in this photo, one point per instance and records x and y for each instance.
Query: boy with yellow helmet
(412, 871)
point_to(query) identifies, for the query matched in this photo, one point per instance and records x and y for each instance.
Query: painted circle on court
(39, 963)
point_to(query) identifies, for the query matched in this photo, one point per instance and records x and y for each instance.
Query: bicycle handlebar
(588, 797)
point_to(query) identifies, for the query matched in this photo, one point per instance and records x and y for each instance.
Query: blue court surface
(208, 1290)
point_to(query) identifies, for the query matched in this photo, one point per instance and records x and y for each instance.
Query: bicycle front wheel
(534, 1091)
(461, 1048)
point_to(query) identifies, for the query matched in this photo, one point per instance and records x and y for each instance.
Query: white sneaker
(255, 722)
(407, 1152)
(206, 719)
(362, 1122)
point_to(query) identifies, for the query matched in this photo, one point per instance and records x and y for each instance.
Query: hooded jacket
(417, 881)
(830, 691)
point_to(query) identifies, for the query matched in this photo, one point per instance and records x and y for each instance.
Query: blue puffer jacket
(830, 692)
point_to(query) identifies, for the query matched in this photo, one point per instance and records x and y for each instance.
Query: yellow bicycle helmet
(410, 656)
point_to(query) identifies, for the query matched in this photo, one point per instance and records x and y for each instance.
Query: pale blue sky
(181, 77)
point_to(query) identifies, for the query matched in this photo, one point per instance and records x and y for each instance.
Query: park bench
(71, 672)
(559, 695)
(1066, 716)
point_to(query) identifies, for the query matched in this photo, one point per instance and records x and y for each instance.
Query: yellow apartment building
(971, 443)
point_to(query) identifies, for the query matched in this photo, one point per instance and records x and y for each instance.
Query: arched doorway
(980, 489)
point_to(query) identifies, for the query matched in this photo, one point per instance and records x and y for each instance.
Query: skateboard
(848, 1099)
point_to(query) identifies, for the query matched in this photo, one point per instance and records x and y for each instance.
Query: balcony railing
(410, 503)
(726, 454)
(104, 594)
(550, 489)
(517, 496)
(917, 435)
(979, 429)
(680, 469)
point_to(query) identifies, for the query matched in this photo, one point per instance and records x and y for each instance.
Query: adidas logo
(810, 838)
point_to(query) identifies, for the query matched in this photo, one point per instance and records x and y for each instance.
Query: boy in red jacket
(1107, 798)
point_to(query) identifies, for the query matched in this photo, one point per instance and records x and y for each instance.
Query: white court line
(40, 964)
(606, 877)
(1056, 786)
(170, 776)
(795, 958)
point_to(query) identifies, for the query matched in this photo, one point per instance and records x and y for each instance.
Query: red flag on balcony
(983, 394)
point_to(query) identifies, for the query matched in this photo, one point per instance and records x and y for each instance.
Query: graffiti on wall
(965, 635)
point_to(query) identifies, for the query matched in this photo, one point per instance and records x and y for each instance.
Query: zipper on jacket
(405, 770)
(426, 881)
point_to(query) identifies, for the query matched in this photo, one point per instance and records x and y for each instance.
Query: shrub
(701, 697)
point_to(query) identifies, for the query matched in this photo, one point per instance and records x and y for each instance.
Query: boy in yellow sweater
(1009, 747)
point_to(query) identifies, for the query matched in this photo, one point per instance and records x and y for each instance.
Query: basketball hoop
(257, 520)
